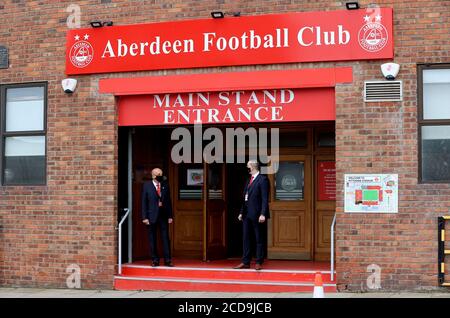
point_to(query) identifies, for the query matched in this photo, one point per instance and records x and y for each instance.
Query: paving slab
(293, 295)
(411, 295)
(12, 292)
(369, 295)
(25, 290)
(177, 294)
(113, 294)
(66, 293)
(219, 295)
(256, 295)
(148, 294)
(337, 295)
(440, 295)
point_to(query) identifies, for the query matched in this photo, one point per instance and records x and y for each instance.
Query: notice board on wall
(326, 177)
(371, 193)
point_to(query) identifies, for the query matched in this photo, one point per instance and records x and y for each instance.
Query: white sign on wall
(371, 193)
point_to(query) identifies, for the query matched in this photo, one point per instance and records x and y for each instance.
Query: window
(293, 139)
(190, 181)
(326, 139)
(434, 122)
(290, 181)
(22, 134)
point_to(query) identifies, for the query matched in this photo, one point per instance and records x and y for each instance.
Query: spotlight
(96, 24)
(217, 14)
(221, 14)
(99, 24)
(352, 5)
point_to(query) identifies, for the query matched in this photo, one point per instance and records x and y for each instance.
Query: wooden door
(214, 212)
(290, 226)
(324, 205)
(188, 208)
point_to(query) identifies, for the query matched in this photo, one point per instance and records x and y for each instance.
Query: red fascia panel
(213, 82)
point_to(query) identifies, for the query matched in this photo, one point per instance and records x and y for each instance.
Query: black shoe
(242, 266)
(168, 264)
(154, 264)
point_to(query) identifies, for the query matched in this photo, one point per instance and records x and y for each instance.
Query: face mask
(159, 178)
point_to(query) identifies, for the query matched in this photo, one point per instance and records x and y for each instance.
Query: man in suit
(253, 214)
(157, 213)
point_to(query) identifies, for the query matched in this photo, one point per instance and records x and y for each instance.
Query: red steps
(140, 277)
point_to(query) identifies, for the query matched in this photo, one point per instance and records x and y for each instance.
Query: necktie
(251, 180)
(158, 189)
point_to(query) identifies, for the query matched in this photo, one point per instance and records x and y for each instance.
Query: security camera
(390, 70)
(69, 85)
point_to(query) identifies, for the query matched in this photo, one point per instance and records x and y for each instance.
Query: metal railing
(119, 227)
(332, 247)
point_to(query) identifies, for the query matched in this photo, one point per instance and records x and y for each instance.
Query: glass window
(215, 181)
(435, 153)
(290, 181)
(22, 134)
(290, 139)
(434, 122)
(190, 181)
(436, 94)
(24, 109)
(24, 160)
(326, 139)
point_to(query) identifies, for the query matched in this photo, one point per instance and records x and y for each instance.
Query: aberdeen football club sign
(264, 39)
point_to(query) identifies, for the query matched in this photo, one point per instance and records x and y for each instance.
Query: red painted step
(224, 273)
(138, 277)
(125, 283)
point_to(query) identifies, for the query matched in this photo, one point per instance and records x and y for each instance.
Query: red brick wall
(72, 219)
(382, 138)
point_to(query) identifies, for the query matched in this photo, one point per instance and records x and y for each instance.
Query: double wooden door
(200, 211)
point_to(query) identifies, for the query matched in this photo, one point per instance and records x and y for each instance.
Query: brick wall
(382, 138)
(72, 218)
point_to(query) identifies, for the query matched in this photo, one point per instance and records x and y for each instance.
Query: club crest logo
(288, 183)
(81, 52)
(373, 35)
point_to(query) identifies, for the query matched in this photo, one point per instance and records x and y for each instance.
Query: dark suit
(257, 204)
(158, 216)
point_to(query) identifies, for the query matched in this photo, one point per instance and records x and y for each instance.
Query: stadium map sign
(371, 193)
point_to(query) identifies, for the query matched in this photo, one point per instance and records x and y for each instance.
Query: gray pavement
(81, 293)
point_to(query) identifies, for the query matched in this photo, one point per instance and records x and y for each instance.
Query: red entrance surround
(223, 278)
(263, 96)
(213, 82)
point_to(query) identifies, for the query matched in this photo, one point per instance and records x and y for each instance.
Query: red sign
(271, 105)
(326, 176)
(264, 39)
